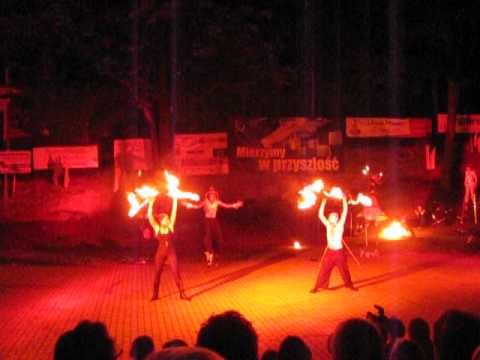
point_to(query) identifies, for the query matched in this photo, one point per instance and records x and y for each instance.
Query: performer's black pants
(166, 252)
(213, 235)
(333, 258)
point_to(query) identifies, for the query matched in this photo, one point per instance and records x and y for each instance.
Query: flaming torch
(362, 200)
(173, 191)
(335, 193)
(309, 194)
(395, 231)
(139, 198)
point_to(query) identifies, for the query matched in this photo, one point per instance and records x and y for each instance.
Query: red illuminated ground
(38, 303)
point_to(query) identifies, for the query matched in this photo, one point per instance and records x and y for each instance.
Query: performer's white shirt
(335, 236)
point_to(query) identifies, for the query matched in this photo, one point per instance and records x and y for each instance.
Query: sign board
(464, 123)
(202, 153)
(133, 154)
(15, 162)
(285, 145)
(73, 157)
(366, 127)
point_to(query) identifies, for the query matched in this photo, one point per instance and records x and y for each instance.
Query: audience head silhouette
(230, 335)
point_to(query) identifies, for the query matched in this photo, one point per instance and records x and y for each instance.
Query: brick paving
(38, 303)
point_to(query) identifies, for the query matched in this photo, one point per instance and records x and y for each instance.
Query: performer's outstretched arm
(151, 219)
(173, 214)
(343, 217)
(234, 205)
(321, 213)
(199, 205)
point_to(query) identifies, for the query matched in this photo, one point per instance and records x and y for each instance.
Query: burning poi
(140, 197)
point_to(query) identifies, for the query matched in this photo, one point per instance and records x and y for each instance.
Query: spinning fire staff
(470, 183)
(334, 254)
(213, 233)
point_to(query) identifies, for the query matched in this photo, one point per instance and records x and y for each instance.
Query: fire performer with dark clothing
(334, 253)
(163, 229)
(213, 232)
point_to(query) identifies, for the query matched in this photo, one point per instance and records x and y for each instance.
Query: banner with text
(367, 127)
(15, 162)
(202, 153)
(285, 145)
(465, 124)
(132, 154)
(72, 157)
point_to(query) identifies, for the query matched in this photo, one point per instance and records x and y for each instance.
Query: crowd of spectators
(230, 336)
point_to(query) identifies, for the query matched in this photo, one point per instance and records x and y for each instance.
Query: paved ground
(38, 303)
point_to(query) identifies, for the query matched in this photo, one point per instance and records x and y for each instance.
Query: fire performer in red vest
(213, 232)
(335, 253)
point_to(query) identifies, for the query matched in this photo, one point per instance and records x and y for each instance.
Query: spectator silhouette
(476, 354)
(88, 340)
(419, 331)
(406, 350)
(269, 355)
(357, 339)
(396, 330)
(456, 334)
(294, 348)
(174, 343)
(142, 346)
(185, 353)
(230, 335)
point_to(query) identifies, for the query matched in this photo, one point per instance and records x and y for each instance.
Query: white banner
(72, 157)
(202, 154)
(15, 162)
(377, 127)
(464, 123)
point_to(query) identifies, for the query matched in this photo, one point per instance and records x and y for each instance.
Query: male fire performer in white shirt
(335, 252)
(213, 233)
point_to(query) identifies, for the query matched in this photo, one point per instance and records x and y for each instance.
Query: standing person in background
(163, 228)
(470, 183)
(213, 233)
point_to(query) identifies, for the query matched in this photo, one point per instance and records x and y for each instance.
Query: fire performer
(470, 183)
(334, 253)
(163, 227)
(213, 233)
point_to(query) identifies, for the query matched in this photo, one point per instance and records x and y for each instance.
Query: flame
(146, 192)
(297, 245)
(309, 194)
(395, 231)
(335, 192)
(135, 205)
(172, 185)
(363, 200)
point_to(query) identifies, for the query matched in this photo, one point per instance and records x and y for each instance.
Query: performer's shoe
(351, 287)
(184, 296)
(315, 290)
(154, 297)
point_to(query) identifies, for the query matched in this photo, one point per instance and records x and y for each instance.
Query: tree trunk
(448, 158)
